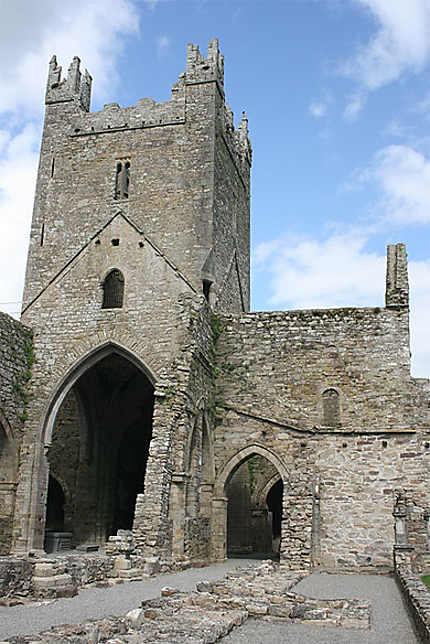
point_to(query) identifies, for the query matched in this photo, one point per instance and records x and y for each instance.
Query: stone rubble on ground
(205, 616)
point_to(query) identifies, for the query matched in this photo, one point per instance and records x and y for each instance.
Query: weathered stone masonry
(162, 416)
(15, 366)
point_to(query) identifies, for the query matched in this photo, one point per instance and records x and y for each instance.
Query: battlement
(201, 69)
(397, 286)
(147, 113)
(75, 87)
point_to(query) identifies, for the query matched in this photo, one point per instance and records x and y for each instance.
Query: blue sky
(338, 99)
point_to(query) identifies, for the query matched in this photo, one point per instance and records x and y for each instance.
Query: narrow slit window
(113, 290)
(42, 234)
(52, 167)
(207, 289)
(122, 180)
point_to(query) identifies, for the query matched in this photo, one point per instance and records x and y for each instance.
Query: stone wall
(340, 477)
(15, 368)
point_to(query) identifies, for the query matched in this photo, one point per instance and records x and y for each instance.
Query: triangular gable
(69, 264)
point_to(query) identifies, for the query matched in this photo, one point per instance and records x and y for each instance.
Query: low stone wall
(417, 598)
(63, 575)
(89, 569)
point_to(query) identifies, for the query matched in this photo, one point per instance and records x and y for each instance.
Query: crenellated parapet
(75, 87)
(201, 69)
(237, 139)
(147, 113)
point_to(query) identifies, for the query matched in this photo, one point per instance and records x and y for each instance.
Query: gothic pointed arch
(240, 457)
(99, 432)
(264, 491)
(249, 525)
(89, 359)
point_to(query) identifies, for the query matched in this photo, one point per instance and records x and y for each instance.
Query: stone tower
(140, 229)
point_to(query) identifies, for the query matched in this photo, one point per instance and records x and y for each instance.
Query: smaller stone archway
(221, 529)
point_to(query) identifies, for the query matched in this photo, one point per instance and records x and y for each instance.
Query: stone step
(45, 570)
(131, 573)
(42, 583)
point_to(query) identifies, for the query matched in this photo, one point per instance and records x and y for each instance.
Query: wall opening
(8, 458)
(55, 506)
(100, 446)
(253, 515)
(122, 180)
(113, 290)
(331, 408)
(274, 504)
(207, 289)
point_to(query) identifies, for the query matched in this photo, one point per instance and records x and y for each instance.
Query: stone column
(151, 523)
(31, 496)
(297, 515)
(206, 493)
(219, 529)
(177, 513)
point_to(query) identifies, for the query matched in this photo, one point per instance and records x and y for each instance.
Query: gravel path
(95, 603)
(390, 622)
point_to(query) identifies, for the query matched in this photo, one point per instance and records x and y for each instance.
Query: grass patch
(426, 580)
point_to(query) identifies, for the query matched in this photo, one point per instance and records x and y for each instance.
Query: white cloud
(339, 272)
(311, 273)
(163, 43)
(92, 30)
(401, 42)
(317, 110)
(354, 107)
(402, 174)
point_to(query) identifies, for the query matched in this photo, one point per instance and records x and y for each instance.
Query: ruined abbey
(144, 409)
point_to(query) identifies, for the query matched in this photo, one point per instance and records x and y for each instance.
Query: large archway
(99, 446)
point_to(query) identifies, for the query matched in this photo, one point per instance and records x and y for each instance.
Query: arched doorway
(220, 497)
(100, 445)
(250, 528)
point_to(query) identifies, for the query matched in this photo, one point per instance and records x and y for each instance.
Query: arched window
(122, 180)
(331, 408)
(113, 290)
